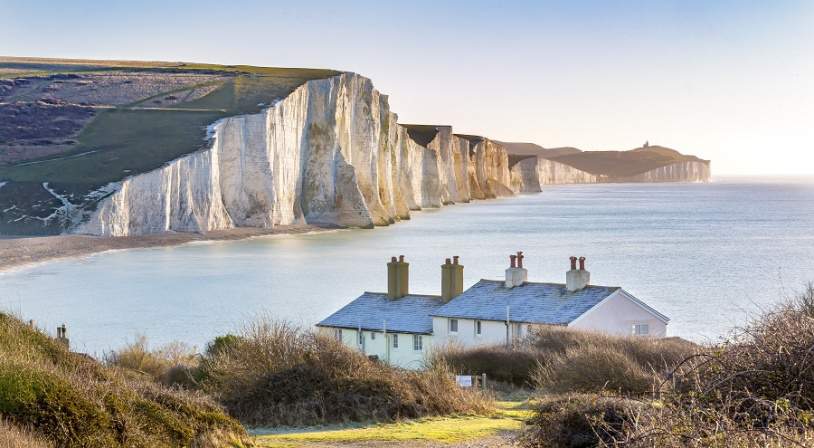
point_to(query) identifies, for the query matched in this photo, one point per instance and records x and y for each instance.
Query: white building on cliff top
(401, 328)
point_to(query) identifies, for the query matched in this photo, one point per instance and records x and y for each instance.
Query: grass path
(437, 431)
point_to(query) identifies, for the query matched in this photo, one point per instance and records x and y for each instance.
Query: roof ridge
(548, 283)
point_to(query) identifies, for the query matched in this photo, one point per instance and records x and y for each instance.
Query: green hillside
(79, 125)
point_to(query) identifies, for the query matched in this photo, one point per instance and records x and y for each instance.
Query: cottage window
(418, 343)
(361, 338)
(395, 341)
(641, 329)
(372, 336)
(453, 325)
(478, 328)
(338, 334)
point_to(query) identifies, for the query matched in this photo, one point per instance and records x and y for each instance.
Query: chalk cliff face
(331, 153)
(530, 174)
(689, 171)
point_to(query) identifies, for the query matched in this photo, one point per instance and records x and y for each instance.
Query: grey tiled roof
(547, 303)
(409, 314)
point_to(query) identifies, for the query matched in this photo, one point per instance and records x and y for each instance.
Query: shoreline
(28, 251)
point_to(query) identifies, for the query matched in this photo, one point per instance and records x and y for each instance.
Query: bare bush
(276, 374)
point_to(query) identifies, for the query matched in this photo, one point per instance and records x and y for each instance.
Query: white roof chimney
(576, 279)
(516, 274)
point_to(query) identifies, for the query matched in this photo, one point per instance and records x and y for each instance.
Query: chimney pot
(401, 258)
(573, 263)
(581, 263)
(447, 261)
(393, 259)
(513, 260)
(455, 259)
(519, 259)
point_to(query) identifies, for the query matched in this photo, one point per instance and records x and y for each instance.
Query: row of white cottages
(402, 328)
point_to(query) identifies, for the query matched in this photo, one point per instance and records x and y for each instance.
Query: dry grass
(12, 436)
(171, 364)
(595, 369)
(76, 401)
(274, 374)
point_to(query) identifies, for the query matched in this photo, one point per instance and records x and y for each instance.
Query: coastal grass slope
(68, 399)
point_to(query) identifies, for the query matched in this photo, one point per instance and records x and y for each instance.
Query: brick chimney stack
(516, 274)
(398, 278)
(577, 279)
(452, 278)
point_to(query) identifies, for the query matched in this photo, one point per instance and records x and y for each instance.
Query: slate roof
(544, 303)
(409, 314)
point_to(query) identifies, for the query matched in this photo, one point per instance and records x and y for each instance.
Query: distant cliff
(534, 166)
(331, 153)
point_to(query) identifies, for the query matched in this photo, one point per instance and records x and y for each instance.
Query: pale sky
(731, 81)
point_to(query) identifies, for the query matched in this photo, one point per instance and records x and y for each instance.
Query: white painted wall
(374, 345)
(492, 332)
(617, 315)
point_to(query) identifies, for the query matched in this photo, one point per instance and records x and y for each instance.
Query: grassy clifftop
(71, 400)
(79, 125)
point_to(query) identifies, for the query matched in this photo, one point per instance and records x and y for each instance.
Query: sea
(710, 256)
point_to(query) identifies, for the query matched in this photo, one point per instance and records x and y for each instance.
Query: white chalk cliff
(331, 153)
(532, 173)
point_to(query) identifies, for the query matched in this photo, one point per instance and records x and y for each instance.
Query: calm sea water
(707, 255)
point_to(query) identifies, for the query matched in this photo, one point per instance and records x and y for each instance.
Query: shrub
(576, 421)
(499, 363)
(276, 374)
(76, 401)
(641, 357)
(594, 369)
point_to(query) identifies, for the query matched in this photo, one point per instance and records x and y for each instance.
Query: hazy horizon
(729, 81)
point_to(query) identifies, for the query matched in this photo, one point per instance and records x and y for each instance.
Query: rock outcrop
(330, 154)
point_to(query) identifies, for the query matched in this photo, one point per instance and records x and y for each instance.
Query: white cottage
(401, 328)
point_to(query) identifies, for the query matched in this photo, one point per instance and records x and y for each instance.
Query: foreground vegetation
(49, 393)
(757, 390)
(274, 374)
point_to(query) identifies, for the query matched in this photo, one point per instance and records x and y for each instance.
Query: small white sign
(464, 381)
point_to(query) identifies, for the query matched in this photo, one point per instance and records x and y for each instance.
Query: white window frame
(450, 325)
(372, 335)
(478, 328)
(338, 334)
(638, 326)
(418, 342)
(395, 340)
(361, 339)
